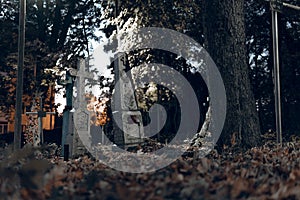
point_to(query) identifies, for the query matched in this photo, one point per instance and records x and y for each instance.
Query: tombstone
(76, 137)
(67, 129)
(37, 134)
(131, 132)
(81, 115)
(130, 116)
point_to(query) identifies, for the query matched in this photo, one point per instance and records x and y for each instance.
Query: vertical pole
(51, 105)
(102, 135)
(19, 88)
(66, 152)
(66, 112)
(40, 121)
(276, 75)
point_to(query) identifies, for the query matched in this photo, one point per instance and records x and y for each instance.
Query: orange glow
(99, 109)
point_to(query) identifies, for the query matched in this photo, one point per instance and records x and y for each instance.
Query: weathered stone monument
(77, 122)
(128, 129)
(82, 135)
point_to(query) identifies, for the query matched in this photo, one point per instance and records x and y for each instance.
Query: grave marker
(125, 109)
(38, 137)
(81, 114)
(67, 129)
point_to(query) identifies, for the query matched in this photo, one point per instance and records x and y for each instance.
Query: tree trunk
(225, 39)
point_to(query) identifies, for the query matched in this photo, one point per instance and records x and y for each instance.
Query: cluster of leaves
(265, 172)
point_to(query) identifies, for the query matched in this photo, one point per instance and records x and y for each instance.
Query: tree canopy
(57, 33)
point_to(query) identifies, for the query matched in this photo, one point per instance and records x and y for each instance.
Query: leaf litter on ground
(266, 172)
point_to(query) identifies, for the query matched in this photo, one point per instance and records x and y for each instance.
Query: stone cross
(81, 114)
(81, 75)
(39, 139)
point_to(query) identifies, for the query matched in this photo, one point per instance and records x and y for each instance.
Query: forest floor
(265, 172)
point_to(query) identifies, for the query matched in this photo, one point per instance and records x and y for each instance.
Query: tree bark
(225, 40)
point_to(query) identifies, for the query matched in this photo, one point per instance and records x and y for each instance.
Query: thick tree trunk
(225, 35)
